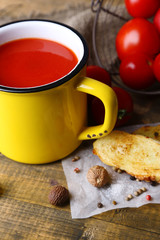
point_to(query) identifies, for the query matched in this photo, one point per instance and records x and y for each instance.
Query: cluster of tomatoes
(138, 44)
(138, 48)
(95, 106)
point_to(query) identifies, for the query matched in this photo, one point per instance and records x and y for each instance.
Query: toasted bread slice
(149, 131)
(137, 155)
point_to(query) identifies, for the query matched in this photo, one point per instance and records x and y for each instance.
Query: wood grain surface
(25, 213)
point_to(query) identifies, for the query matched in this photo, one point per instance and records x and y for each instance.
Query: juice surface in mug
(34, 62)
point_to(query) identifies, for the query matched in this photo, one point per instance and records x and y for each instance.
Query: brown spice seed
(58, 195)
(156, 134)
(99, 205)
(153, 183)
(119, 170)
(130, 196)
(144, 189)
(114, 203)
(132, 178)
(98, 176)
(136, 193)
(139, 191)
(115, 169)
(76, 158)
(138, 180)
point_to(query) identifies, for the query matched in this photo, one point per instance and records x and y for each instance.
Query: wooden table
(25, 212)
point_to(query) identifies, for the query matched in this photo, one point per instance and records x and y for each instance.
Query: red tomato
(156, 67)
(98, 73)
(125, 108)
(136, 71)
(156, 20)
(142, 8)
(137, 36)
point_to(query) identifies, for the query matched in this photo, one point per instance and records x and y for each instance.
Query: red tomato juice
(34, 62)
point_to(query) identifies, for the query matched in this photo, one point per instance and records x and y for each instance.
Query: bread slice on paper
(137, 155)
(149, 131)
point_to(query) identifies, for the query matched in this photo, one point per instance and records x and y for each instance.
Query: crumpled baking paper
(85, 197)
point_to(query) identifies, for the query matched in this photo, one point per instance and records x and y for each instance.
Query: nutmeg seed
(58, 195)
(98, 176)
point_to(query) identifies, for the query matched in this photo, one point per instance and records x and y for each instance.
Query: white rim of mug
(60, 81)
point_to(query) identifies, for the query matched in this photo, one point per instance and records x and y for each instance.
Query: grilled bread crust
(137, 155)
(149, 131)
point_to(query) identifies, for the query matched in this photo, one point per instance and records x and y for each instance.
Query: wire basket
(110, 16)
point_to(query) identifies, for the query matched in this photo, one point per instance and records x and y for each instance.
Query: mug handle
(109, 99)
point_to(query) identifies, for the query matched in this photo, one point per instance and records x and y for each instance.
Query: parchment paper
(84, 196)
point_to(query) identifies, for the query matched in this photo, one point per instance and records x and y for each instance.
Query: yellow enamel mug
(46, 123)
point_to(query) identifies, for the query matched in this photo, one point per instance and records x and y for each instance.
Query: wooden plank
(26, 187)
(21, 220)
(99, 230)
(146, 218)
(30, 183)
(32, 221)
